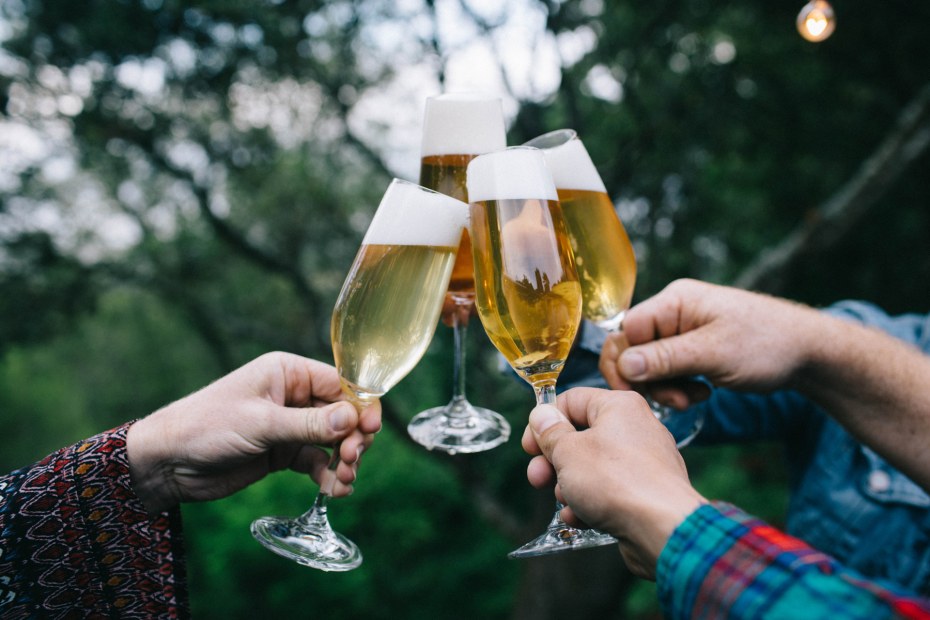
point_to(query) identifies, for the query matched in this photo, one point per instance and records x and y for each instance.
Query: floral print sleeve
(75, 541)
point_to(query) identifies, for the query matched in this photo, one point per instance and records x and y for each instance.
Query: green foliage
(407, 514)
(212, 212)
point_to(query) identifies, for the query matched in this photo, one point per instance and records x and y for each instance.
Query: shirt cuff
(691, 552)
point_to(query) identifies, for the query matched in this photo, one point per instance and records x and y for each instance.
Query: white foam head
(569, 161)
(515, 173)
(463, 124)
(413, 215)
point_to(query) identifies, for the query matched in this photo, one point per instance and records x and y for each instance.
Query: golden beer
(603, 254)
(387, 312)
(528, 294)
(446, 175)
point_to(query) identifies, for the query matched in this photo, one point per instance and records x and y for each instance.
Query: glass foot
(323, 549)
(459, 428)
(559, 538)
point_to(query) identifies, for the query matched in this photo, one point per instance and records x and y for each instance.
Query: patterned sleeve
(75, 541)
(723, 563)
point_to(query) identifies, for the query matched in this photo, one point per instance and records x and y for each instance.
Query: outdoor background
(183, 186)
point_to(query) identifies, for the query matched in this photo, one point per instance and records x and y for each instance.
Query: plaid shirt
(723, 563)
(76, 542)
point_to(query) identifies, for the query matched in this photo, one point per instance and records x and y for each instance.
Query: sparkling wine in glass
(382, 324)
(456, 129)
(603, 253)
(526, 288)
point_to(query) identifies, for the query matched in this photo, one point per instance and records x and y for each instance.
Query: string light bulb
(816, 21)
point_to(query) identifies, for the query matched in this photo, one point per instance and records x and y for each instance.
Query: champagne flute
(603, 253)
(457, 128)
(382, 324)
(526, 288)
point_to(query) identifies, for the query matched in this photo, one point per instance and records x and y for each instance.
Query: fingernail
(339, 419)
(545, 416)
(358, 452)
(632, 365)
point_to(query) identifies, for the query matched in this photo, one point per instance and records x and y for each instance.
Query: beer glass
(457, 128)
(526, 288)
(383, 321)
(603, 253)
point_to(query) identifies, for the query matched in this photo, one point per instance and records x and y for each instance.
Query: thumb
(549, 425)
(312, 425)
(665, 358)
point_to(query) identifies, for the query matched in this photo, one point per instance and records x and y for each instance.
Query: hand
(622, 474)
(266, 416)
(733, 337)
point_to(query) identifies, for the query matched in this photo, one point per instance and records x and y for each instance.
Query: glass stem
(545, 395)
(316, 517)
(459, 331)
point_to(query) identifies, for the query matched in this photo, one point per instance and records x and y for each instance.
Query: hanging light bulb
(816, 21)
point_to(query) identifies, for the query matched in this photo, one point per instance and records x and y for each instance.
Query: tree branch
(832, 219)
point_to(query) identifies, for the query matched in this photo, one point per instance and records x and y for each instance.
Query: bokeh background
(183, 186)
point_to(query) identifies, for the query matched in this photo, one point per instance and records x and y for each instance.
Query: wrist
(652, 523)
(149, 474)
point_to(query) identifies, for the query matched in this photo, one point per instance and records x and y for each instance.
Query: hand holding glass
(526, 288)
(603, 253)
(382, 324)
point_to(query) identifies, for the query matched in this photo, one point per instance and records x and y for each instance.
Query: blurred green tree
(184, 185)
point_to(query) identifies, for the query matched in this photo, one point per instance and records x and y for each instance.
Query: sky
(390, 119)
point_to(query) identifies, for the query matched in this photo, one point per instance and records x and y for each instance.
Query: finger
(679, 394)
(572, 519)
(540, 473)
(353, 446)
(315, 462)
(308, 425)
(583, 405)
(324, 384)
(667, 358)
(549, 425)
(653, 318)
(607, 363)
(370, 419)
(307, 382)
(528, 442)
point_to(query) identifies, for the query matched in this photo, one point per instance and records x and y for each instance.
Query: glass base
(683, 425)
(559, 538)
(323, 549)
(459, 428)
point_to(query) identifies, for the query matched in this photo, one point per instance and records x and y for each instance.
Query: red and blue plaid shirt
(76, 542)
(724, 563)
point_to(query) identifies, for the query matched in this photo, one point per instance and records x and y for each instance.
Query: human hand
(622, 474)
(266, 416)
(733, 337)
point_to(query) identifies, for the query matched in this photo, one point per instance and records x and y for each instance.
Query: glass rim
(552, 139)
(463, 96)
(400, 181)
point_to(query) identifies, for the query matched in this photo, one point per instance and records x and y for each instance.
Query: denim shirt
(845, 499)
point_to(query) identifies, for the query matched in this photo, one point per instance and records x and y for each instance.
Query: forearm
(876, 386)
